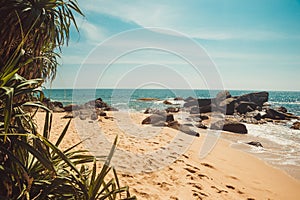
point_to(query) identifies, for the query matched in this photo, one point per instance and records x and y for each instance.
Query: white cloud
(178, 16)
(92, 32)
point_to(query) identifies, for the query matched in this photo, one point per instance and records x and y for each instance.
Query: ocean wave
(285, 102)
(275, 133)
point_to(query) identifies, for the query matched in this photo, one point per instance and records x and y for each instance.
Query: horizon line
(270, 90)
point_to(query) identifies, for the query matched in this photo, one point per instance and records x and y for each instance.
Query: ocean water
(281, 143)
(124, 99)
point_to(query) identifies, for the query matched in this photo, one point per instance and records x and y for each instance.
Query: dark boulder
(244, 107)
(257, 144)
(203, 109)
(229, 125)
(296, 125)
(160, 124)
(55, 106)
(169, 118)
(258, 98)
(155, 118)
(97, 103)
(208, 108)
(273, 114)
(227, 106)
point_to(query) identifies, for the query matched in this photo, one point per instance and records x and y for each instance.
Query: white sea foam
(276, 133)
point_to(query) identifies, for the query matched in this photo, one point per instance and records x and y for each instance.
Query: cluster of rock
(90, 110)
(162, 118)
(232, 112)
(227, 104)
(248, 108)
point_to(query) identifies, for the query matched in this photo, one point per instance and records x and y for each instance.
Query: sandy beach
(225, 173)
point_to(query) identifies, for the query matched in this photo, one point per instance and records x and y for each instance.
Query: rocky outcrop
(168, 120)
(259, 98)
(229, 125)
(99, 103)
(55, 106)
(273, 114)
(225, 103)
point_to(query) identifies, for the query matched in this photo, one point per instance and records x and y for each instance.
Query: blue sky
(251, 44)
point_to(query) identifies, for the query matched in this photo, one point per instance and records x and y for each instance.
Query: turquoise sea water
(124, 99)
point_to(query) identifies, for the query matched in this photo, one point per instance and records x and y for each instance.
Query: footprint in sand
(190, 176)
(173, 198)
(195, 186)
(199, 195)
(240, 192)
(233, 177)
(219, 190)
(179, 161)
(192, 166)
(185, 156)
(197, 191)
(164, 185)
(230, 187)
(190, 170)
(202, 176)
(208, 165)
